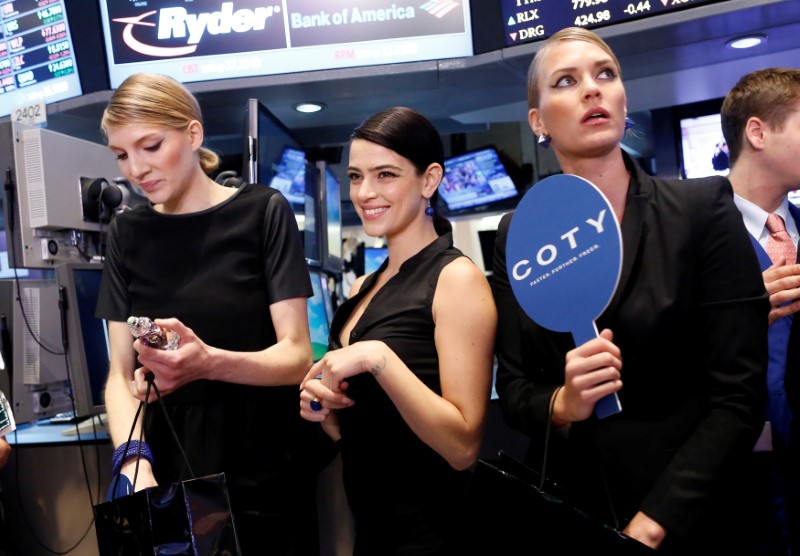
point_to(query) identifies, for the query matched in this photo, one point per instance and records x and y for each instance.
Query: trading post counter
(49, 486)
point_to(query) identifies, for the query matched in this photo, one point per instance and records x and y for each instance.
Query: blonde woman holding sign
(682, 342)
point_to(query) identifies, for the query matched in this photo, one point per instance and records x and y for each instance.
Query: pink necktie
(779, 244)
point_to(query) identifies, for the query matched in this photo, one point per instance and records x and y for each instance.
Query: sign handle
(607, 405)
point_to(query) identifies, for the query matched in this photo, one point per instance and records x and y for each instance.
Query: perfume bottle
(153, 335)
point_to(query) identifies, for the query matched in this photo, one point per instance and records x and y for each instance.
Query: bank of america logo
(439, 8)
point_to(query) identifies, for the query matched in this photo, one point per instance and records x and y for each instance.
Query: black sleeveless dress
(404, 497)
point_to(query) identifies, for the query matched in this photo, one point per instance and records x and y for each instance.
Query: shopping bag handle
(548, 427)
(543, 475)
(142, 409)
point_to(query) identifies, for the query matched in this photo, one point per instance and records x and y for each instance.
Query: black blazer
(690, 318)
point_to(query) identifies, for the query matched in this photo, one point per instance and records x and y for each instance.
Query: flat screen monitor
(322, 226)
(332, 203)
(374, 257)
(289, 175)
(37, 57)
(39, 371)
(320, 313)
(474, 179)
(487, 240)
(367, 260)
(201, 40)
(314, 218)
(273, 155)
(87, 335)
(703, 149)
(46, 220)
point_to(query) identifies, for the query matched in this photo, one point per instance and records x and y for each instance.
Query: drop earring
(544, 141)
(629, 123)
(428, 208)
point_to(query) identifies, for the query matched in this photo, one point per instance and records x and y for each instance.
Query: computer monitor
(87, 336)
(703, 150)
(367, 260)
(37, 57)
(487, 239)
(475, 179)
(40, 383)
(331, 203)
(272, 154)
(322, 223)
(320, 313)
(289, 175)
(374, 257)
(46, 220)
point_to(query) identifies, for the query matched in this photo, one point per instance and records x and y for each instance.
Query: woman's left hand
(172, 368)
(361, 357)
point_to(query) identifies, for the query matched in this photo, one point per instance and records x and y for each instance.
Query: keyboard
(97, 424)
(65, 417)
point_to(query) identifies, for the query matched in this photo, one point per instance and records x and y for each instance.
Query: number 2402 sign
(31, 114)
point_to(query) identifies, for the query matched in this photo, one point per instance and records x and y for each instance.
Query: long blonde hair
(155, 100)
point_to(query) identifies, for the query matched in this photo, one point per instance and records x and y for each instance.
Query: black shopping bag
(513, 508)
(190, 518)
(187, 518)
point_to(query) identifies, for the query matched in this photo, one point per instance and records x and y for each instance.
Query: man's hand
(782, 282)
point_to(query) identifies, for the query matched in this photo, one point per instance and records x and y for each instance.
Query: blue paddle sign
(564, 259)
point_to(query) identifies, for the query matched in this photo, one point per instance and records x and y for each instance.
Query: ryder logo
(178, 23)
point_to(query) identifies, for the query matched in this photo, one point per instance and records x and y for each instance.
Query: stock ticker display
(37, 61)
(533, 20)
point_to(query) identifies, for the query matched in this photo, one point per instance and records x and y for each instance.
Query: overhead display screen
(37, 61)
(533, 20)
(475, 178)
(199, 40)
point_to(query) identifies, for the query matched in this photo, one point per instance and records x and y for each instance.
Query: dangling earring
(629, 123)
(429, 209)
(544, 141)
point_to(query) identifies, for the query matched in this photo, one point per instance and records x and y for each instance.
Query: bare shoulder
(462, 272)
(463, 297)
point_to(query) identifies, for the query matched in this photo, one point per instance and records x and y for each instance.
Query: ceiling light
(309, 107)
(748, 41)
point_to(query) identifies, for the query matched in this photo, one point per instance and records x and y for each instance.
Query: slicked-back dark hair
(412, 136)
(406, 132)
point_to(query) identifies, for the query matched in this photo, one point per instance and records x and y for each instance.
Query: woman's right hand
(592, 372)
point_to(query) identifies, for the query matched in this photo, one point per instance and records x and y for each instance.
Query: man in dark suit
(761, 124)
